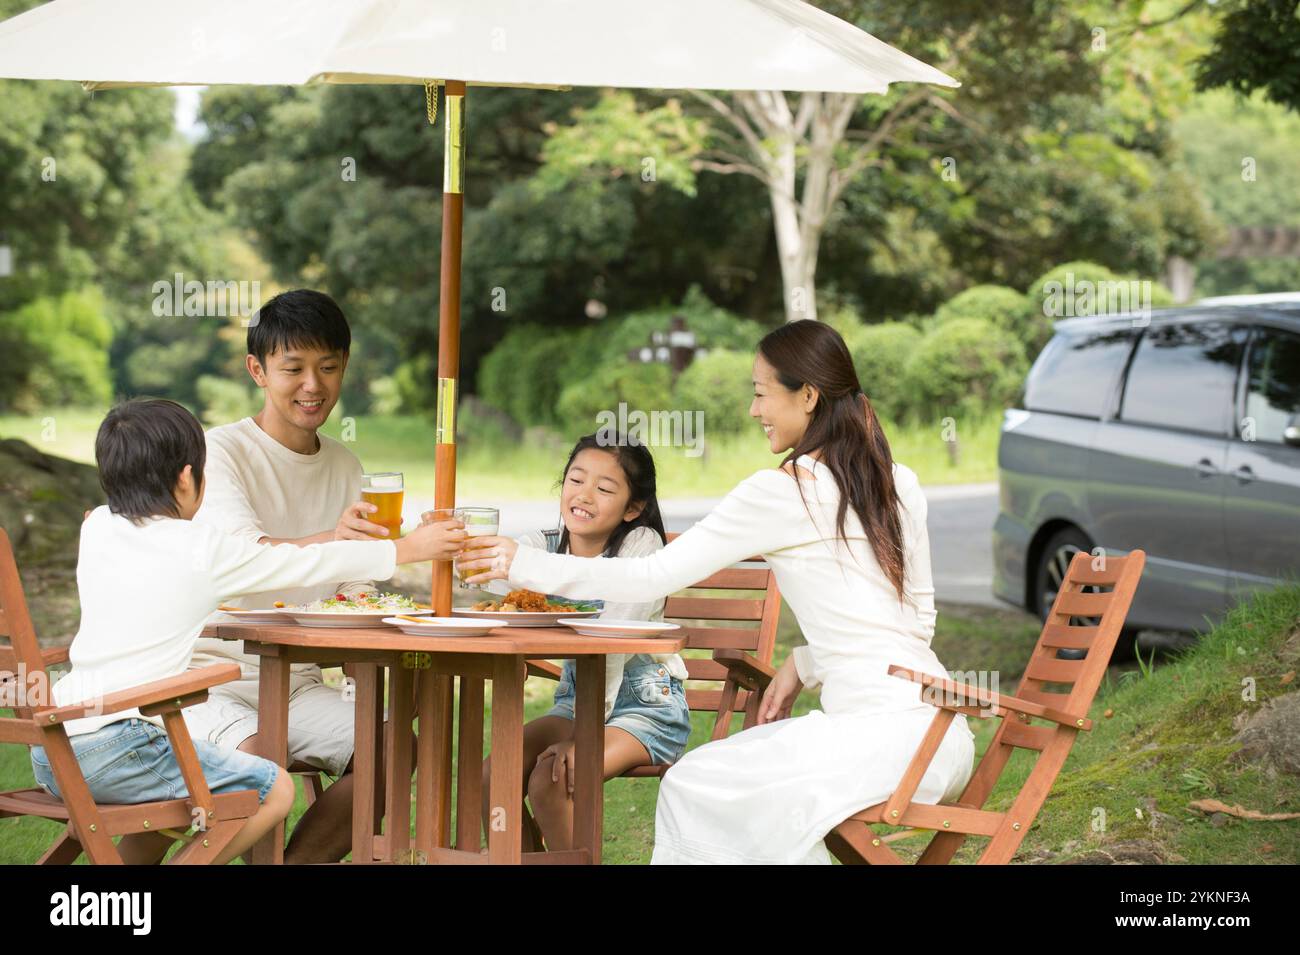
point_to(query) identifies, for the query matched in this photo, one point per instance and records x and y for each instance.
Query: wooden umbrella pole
(453, 200)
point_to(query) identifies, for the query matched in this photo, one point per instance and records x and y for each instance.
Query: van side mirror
(1291, 433)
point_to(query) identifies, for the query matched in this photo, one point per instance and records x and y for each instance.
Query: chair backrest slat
(1051, 670)
(713, 608)
(736, 578)
(1059, 636)
(1081, 605)
(697, 609)
(723, 638)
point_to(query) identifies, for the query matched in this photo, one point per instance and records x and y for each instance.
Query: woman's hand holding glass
(487, 558)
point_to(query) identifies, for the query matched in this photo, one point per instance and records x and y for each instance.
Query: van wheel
(1053, 563)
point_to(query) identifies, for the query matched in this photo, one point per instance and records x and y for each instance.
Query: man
(273, 479)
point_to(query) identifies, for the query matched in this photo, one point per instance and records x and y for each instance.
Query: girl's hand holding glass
(487, 558)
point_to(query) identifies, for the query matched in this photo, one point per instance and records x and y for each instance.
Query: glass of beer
(384, 490)
(479, 522)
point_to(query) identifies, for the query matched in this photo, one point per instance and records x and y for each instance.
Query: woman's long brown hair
(846, 432)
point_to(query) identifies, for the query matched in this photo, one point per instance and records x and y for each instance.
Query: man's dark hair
(297, 319)
(142, 447)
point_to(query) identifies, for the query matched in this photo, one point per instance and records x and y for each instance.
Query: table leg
(433, 765)
(589, 755)
(402, 744)
(469, 760)
(506, 790)
(367, 765)
(272, 738)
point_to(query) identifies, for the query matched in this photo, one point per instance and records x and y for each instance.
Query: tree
(1255, 49)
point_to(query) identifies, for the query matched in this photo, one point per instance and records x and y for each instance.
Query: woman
(843, 527)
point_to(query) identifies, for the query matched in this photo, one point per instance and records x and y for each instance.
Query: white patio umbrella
(783, 45)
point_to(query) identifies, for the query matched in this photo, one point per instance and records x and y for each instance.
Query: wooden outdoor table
(501, 657)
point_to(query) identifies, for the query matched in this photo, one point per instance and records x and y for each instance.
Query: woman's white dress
(770, 794)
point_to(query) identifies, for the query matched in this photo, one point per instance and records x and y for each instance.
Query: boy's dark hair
(142, 447)
(301, 317)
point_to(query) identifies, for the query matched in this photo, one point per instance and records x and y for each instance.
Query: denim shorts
(131, 761)
(651, 705)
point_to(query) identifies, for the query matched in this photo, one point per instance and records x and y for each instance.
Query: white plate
(267, 615)
(444, 627)
(620, 628)
(351, 620)
(518, 619)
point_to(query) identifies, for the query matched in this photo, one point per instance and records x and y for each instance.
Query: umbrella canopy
(553, 44)
(671, 44)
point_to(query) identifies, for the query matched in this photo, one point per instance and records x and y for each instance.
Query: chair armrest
(544, 669)
(53, 657)
(170, 693)
(957, 695)
(745, 669)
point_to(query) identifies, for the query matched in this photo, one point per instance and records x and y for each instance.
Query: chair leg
(313, 788)
(208, 844)
(65, 851)
(856, 843)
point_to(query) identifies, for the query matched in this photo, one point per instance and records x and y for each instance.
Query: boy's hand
(487, 558)
(353, 526)
(437, 541)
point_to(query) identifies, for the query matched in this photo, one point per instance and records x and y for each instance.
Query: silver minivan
(1177, 433)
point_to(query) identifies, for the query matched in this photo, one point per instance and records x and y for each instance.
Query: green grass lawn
(529, 470)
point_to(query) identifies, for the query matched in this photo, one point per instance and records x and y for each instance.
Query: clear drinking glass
(479, 522)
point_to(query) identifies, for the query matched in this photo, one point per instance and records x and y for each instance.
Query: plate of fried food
(527, 608)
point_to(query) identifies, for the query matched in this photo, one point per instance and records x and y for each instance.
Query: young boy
(272, 479)
(148, 580)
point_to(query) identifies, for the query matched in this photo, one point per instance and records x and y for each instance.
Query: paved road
(960, 521)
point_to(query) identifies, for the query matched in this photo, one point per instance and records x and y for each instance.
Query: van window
(1075, 373)
(1272, 384)
(1184, 376)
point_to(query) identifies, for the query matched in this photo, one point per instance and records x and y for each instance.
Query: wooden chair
(90, 826)
(1061, 716)
(741, 659)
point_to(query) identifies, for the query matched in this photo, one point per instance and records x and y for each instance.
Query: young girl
(608, 509)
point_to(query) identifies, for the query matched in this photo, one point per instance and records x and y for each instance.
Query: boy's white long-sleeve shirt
(147, 590)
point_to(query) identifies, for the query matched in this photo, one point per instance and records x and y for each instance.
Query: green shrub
(529, 368)
(1004, 307)
(222, 401)
(644, 387)
(965, 368)
(880, 354)
(54, 351)
(720, 384)
(415, 385)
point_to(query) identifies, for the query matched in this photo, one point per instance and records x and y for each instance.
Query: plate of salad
(355, 610)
